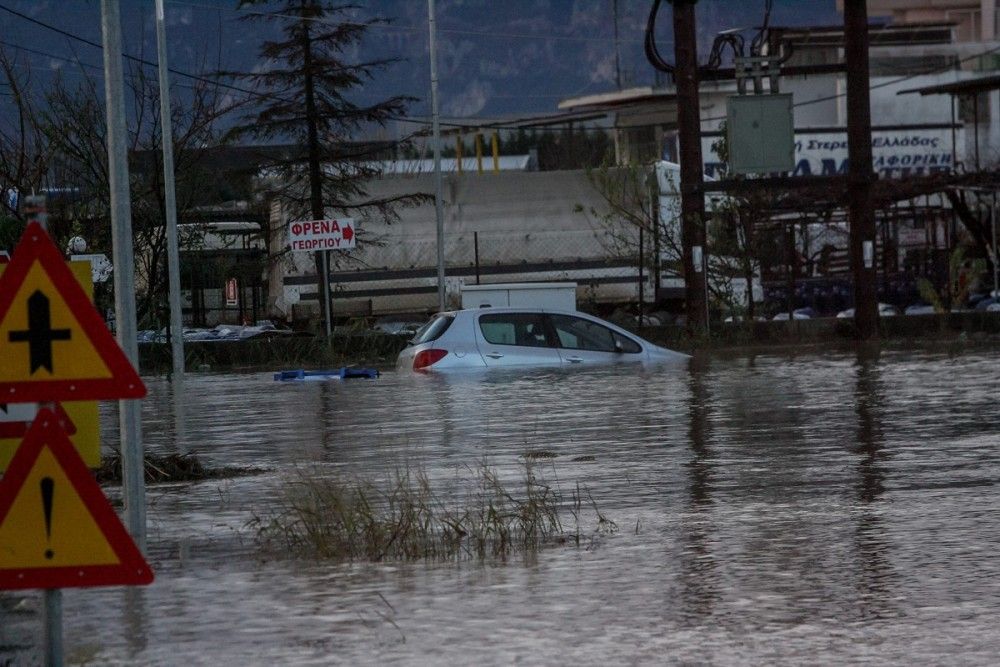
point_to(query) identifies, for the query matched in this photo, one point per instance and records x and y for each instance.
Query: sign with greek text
(312, 235)
(895, 153)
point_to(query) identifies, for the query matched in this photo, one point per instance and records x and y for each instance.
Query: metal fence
(397, 273)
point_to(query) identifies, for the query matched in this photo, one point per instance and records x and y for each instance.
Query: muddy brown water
(772, 509)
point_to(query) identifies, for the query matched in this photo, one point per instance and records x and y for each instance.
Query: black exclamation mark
(48, 490)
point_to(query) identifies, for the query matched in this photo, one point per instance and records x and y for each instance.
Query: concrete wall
(531, 219)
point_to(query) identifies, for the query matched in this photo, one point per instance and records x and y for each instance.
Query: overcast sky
(496, 58)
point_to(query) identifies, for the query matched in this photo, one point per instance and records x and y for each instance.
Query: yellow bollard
(495, 141)
(479, 152)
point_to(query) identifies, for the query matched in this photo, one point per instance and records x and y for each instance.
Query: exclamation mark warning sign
(49, 507)
(48, 489)
(57, 530)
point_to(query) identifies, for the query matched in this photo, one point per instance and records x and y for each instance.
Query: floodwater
(772, 509)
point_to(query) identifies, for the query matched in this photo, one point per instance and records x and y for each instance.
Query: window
(433, 329)
(971, 105)
(577, 333)
(525, 329)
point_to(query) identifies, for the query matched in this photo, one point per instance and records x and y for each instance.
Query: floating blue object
(343, 373)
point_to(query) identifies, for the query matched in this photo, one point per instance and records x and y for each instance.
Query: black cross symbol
(39, 334)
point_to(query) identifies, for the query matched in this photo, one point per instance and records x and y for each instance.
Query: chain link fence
(398, 273)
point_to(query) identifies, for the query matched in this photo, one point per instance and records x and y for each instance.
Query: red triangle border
(124, 382)
(10, 430)
(132, 569)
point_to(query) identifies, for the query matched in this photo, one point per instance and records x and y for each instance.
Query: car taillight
(425, 358)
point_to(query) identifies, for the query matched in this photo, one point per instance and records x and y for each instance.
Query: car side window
(524, 329)
(626, 344)
(577, 333)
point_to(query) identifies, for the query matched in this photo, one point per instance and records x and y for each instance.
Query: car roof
(514, 309)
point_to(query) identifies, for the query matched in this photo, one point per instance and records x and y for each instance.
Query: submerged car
(507, 337)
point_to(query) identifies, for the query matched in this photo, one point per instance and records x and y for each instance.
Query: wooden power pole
(860, 176)
(689, 136)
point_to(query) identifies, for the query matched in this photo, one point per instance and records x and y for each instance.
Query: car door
(515, 339)
(584, 341)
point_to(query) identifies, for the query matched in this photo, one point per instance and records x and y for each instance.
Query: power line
(141, 61)
(196, 77)
(46, 54)
(468, 126)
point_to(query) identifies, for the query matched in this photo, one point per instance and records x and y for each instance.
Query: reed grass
(405, 518)
(167, 468)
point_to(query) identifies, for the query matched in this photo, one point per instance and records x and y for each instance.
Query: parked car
(396, 326)
(884, 310)
(920, 309)
(519, 337)
(984, 304)
(800, 314)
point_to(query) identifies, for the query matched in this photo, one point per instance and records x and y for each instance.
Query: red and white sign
(232, 292)
(322, 234)
(16, 418)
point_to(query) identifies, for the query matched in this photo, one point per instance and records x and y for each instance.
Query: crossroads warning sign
(55, 345)
(57, 530)
(82, 417)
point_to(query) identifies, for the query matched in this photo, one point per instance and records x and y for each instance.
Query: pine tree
(305, 85)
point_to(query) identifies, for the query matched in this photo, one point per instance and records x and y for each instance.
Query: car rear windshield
(433, 329)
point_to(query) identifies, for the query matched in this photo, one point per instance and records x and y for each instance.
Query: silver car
(508, 337)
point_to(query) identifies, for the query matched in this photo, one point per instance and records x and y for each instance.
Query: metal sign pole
(170, 204)
(53, 627)
(993, 227)
(35, 208)
(133, 483)
(326, 294)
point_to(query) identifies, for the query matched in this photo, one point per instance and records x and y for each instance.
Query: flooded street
(771, 509)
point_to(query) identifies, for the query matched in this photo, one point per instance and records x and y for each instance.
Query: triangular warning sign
(54, 344)
(57, 530)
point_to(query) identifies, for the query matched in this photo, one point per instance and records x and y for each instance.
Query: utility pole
(860, 176)
(689, 136)
(129, 415)
(315, 172)
(170, 206)
(436, 131)
(618, 64)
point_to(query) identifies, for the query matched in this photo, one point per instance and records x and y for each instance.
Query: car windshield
(433, 329)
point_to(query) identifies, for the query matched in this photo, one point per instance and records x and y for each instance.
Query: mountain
(495, 58)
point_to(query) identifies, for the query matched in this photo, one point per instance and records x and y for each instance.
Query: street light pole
(170, 203)
(129, 415)
(436, 131)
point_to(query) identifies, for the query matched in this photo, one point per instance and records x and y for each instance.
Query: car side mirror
(619, 348)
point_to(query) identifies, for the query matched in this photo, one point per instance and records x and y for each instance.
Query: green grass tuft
(405, 518)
